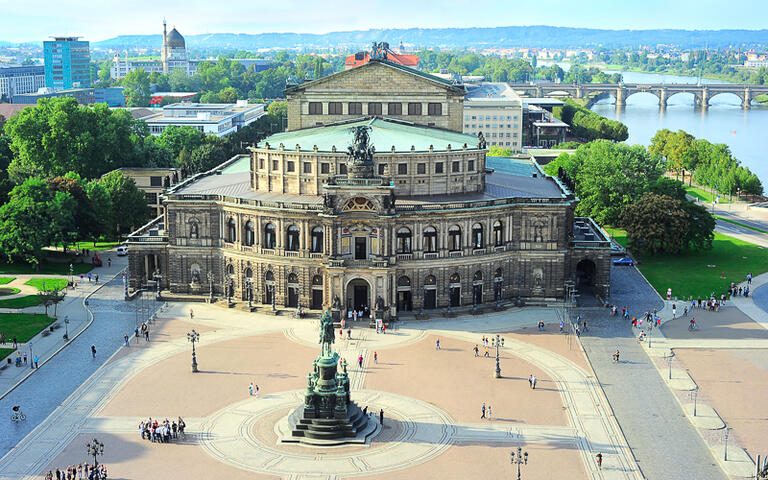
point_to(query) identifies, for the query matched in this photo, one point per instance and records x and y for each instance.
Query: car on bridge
(624, 261)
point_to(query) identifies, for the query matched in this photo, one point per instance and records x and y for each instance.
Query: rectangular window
(395, 109)
(382, 168)
(261, 163)
(355, 108)
(421, 168)
(343, 168)
(291, 166)
(435, 109)
(307, 167)
(456, 167)
(414, 109)
(335, 108)
(480, 117)
(466, 125)
(374, 108)
(315, 108)
(152, 198)
(439, 167)
(474, 117)
(466, 117)
(274, 164)
(324, 168)
(402, 169)
(155, 181)
(471, 166)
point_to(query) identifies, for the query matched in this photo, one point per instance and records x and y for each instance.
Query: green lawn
(21, 302)
(705, 195)
(4, 352)
(49, 268)
(4, 280)
(50, 283)
(99, 245)
(13, 291)
(742, 225)
(698, 273)
(23, 326)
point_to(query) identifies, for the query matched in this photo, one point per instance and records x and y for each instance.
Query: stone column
(663, 94)
(746, 102)
(621, 94)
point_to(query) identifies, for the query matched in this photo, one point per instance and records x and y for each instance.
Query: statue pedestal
(336, 314)
(195, 288)
(269, 311)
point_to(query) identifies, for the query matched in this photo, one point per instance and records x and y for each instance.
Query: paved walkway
(593, 428)
(72, 308)
(663, 441)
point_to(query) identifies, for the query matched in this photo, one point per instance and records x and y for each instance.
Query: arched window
(455, 278)
(231, 230)
(293, 278)
(498, 233)
(230, 269)
(454, 238)
(497, 275)
(249, 236)
(269, 276)
(430, 280)
(293, 239)
(403, 281)
(477, 276)
(269, 235)
(477, 236)
(404, 240)
(317, 240)
(317, 280)
(430, 240)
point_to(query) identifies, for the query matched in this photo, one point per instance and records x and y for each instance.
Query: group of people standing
(164, 432)
(83, 471)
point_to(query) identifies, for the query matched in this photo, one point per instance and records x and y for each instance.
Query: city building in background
(541, 129)
(67, 63)
(20, 80)
(361, 58)
(112, 96)
(154, 182)
(218, 119)
(496, 111)
(157, 99)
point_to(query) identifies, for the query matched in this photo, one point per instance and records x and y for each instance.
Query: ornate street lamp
(126, 279)
(71, 275)
(272, 289)
(66, 327)
(695, 394)
(497, 342)
(725, 451)
(193, 337)
(157, 277)
(520, 459)
(94, 448)
(228, 288)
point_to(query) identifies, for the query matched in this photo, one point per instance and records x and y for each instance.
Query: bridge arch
(740, 95)
(655, 93)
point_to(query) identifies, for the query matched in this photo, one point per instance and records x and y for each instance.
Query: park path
(665, 444)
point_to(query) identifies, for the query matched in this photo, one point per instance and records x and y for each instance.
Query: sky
(33, 21)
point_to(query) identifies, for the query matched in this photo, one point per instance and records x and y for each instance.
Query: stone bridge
(702, 93)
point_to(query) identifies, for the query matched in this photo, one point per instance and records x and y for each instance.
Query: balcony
(316, 255)
(431, 255)
(455, 253)
(404, 256)
(478, 251)
(290, 253)
(499, 248)
(267, 251)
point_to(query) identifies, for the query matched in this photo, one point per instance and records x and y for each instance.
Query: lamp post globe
(193, 337)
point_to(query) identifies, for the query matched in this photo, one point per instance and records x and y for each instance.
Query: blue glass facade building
(67, 63)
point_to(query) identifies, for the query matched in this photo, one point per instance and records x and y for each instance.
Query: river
(744, 131)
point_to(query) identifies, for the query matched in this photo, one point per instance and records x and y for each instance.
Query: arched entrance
(317, 292)
(586, 273)
(477, 288)
(430, 293)
(404, 302)
(269, 287)
(358, 295)
(293, 291)
(455, 290)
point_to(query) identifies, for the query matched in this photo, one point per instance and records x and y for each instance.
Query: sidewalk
(46, 347)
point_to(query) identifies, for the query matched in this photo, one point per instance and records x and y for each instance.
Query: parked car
(122, 250)
(624, 261)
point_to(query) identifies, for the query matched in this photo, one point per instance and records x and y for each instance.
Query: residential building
(496, 111)
(20, 80)
(411, 218)
(154, 182)
(541, 129)
(218, 119)
(67, 63)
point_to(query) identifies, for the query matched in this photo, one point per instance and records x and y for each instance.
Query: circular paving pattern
(421, 432)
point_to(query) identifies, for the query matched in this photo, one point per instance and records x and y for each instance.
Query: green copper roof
(511, 166)
(384, 134)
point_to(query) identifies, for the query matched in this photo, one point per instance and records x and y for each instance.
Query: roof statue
(379, 51)
(361, 152)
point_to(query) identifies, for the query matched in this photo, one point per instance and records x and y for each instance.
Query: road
(664, 442)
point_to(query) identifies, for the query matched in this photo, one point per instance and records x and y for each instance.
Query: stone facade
(378, 88)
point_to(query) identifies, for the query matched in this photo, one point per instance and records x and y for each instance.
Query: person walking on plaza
(674, 311)
(477, 351)
(191, 314)
(487, 353)
(437, 344)
(616, 356)
(256, 390)
(25, 358)
(489, 412)
(250, 389)
(599, 459)
(685, 311)
(93, 351)
(749, 278)
(482, 415)
(125, 337)
(349, 334)
(360, 361)
(533, 382)
(375, 357)
(36, 359)
(561, 326)
(530, 381)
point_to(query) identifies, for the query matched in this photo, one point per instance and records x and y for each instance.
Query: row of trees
(588, 125)
(624, 186)
(711, 164)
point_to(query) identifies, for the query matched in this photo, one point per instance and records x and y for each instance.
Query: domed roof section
(175, 40)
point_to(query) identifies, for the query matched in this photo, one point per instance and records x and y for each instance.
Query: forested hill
(530, 36)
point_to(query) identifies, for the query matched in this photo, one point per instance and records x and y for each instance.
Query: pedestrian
(341, 334)
(585, 326)
(255, 391)
(530, 381)
(89, 278)
(36, 359)
(125, 337)
(97, 278)
(146, 334)
(375, 357)
(749, 278)
(191, 314)
(381, 417)
(482, 415)
(15, 342)
(349, 333)
(578, 332)
(534, 382)
(487, 353)
(360, 361)
(561, 326)
(599, 458)
(476, 350)
(685, 311)
(489, 412)
(674, 311)
(136, 333)
(93, 351)
(250, 389)
(109, 262)
(437, 344)
(25, 358)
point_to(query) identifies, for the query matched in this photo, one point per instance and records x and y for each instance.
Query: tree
(655, 223)
(128, 204)
(86, 221)
(174, 139)
(34, 218)
(205, 157)
(52, 296)
(60, 136)
(137, 90)
(701, 226)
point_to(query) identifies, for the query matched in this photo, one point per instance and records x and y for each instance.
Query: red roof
(361, 58)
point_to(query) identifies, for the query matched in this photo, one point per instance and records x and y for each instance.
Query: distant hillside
(532, 36)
